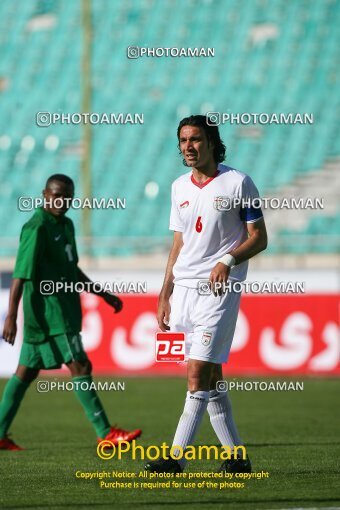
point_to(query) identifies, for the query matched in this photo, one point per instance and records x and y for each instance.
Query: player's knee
(88, 367)
(26, 374)
(85, 368)
(79, 369)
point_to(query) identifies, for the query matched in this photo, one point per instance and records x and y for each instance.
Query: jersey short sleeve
(176, 223)
(30, 249)
(250, 210)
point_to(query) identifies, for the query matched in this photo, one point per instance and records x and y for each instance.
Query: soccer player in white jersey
(217, 228)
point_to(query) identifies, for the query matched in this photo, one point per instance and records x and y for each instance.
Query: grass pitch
(292, 435)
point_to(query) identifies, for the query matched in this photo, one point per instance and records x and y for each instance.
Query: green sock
(13, 394)
(92, 405)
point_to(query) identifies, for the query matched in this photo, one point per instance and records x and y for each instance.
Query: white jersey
(211, 224)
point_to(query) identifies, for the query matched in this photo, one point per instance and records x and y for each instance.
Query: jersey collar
(203, 184)
(56, 221)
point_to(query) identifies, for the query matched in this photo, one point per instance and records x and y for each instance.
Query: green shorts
(52, 353)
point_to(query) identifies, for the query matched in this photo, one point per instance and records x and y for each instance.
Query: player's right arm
(163, 313)
(28, 258)
(10, 326)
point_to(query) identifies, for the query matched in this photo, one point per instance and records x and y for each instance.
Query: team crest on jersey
(222, 203)
(185, 204)
(206, 337)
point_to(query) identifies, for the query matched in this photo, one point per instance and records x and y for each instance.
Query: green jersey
(48, 252)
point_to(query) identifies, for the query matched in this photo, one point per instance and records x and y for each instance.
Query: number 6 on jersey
(199, 225)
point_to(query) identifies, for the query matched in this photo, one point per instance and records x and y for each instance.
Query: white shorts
(208, 322)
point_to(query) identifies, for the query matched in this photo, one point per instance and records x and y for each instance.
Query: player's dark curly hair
(211, 131)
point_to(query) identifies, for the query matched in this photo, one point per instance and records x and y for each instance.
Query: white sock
(221, 419)
(194, 409)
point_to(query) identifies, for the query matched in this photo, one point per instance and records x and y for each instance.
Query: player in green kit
(52, 322)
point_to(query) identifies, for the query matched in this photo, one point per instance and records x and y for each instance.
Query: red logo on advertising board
(170, 346)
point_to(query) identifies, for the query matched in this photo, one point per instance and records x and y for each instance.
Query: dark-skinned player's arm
(10, 326)
(110, 299)
(256, 242)
(163, 312)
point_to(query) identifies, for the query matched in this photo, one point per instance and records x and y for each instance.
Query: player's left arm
(256, 242)
(110, 299)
